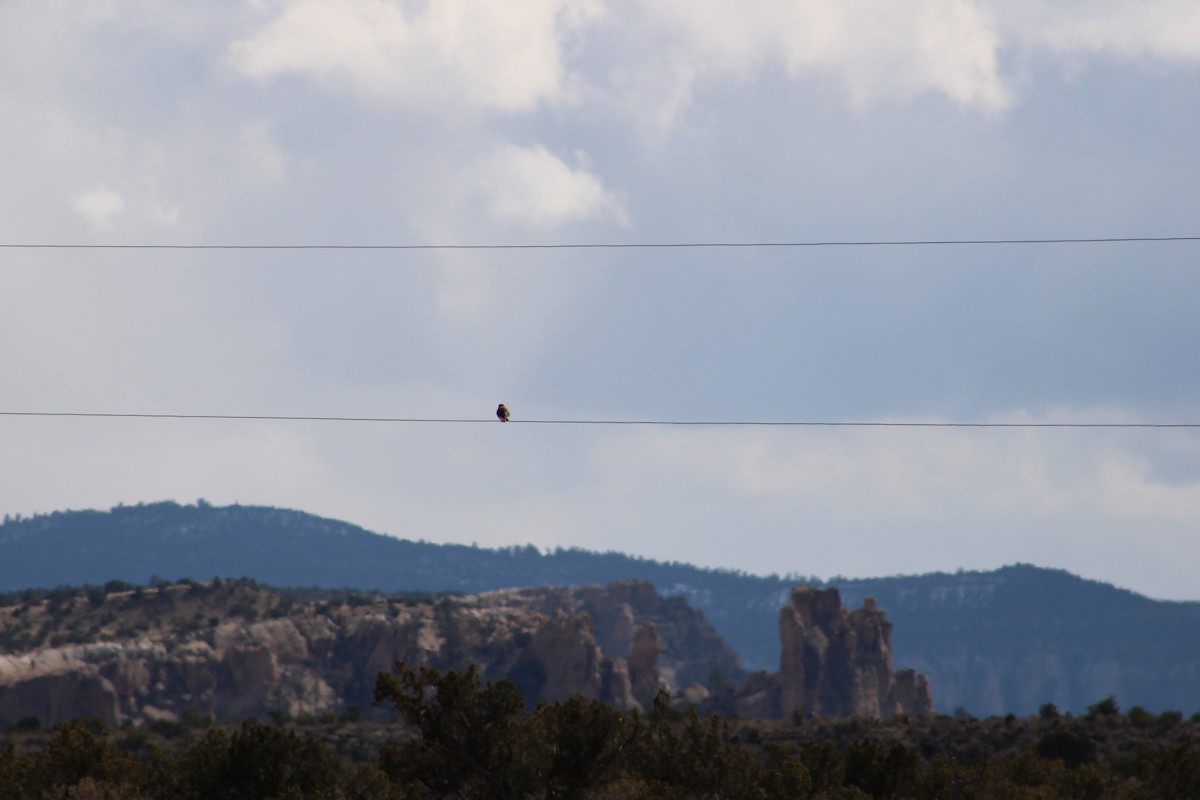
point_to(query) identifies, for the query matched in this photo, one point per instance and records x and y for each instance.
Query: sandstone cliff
(231, 649)
(161, 652)
(838, 663)
(833, 663)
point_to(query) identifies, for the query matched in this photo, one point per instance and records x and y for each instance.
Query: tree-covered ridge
(457, 736)
(133, 543)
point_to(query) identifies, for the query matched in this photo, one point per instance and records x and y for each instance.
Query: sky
(567, 122)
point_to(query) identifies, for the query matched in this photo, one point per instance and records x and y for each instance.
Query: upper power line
(605, 246)
(704, 423)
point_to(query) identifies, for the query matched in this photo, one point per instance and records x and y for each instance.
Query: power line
(607, 246)
(658, 422)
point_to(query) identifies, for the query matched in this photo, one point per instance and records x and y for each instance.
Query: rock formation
(561, 659)
(690, 649)
(838, 663)
(832, 663)
(234, 650)
(309, 659)
(643, 658)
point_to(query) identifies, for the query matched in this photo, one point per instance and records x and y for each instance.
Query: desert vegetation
(456, 736)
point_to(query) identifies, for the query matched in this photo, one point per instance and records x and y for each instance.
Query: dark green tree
(580, 744)
(1175, 774)
(470, 740)
(257, 761)
(880, 771)
(783, 775)
(12, 773)
(825, 765)
(1072, 748)
(695, 759)
(73, 755)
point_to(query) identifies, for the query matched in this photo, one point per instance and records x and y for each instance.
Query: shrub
(1072, 748)
(1105, 709)
(30, 724)
(1140, 717)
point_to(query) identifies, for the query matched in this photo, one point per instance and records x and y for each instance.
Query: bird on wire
(502, 412)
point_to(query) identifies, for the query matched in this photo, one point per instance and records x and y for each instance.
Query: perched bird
(502, 412)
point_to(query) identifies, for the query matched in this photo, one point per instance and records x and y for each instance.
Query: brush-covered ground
(457, 737)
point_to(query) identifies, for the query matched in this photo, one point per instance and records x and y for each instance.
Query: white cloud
(654, 58)
(138, 205)
(532, 186)
(876, 51)
(1150, 29)
(465, 54)
(100, 206)
(879, 52)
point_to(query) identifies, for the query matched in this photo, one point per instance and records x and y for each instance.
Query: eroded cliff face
(248, 670)
(325, 656)
(833, 662)
(838, 663)
(621, 644)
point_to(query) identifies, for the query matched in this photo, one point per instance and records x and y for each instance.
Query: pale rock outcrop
(561, 660)
(692, 650)
(644, 652)
(911, 693)
(614, 623)
(326, 656)
(56, 696)
(615, 686)
(838, 663)
(620, 644)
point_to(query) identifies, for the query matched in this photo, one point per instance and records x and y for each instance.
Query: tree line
(458, 737)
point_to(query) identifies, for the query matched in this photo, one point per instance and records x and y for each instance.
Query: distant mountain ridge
(990, 642)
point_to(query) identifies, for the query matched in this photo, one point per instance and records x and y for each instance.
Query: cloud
(883, 501)
(139, 205)
(881, 53)
(1151, 29)
(876, 52)
(471, 54)
(925, 478)
(656, 59)
(467, 54)
(532, 186)
(100, 206)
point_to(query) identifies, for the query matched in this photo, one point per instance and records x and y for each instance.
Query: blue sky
(569, 121)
